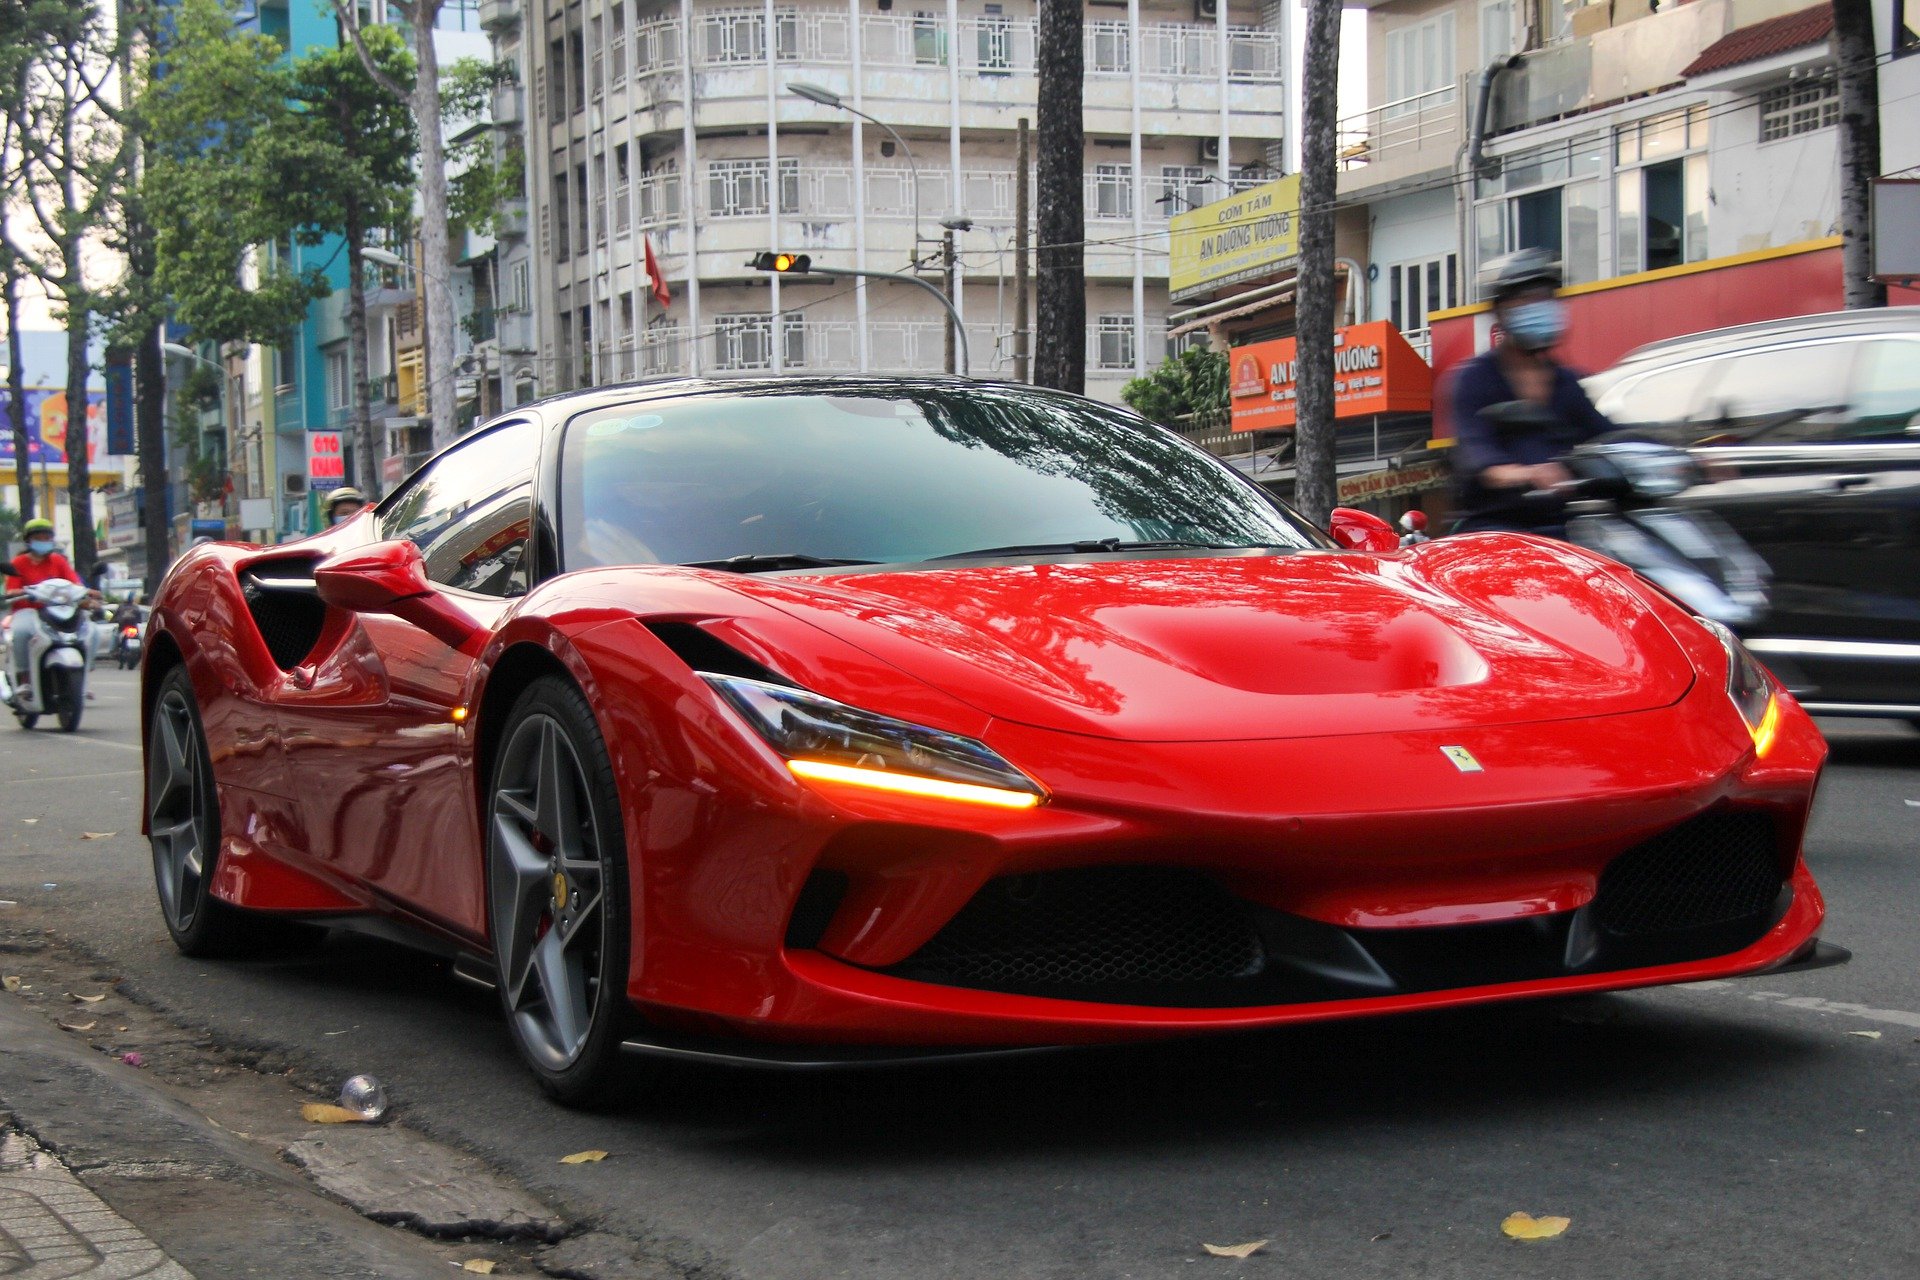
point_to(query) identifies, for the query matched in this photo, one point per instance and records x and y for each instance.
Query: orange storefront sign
(1374, 371)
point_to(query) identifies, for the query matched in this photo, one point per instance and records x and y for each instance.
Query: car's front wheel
(183, 822)
(557, 894)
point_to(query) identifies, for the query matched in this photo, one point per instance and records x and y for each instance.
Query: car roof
(1829, 324)
(565, 404)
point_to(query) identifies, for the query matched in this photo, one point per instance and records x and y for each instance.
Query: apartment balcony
(500, 16)
(833, 346)
(1639, 57)
(904, 61)
(511, 222)
(509, 101)
(515, 331)
(1405, 139)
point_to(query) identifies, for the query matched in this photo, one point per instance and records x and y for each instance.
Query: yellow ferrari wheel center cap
(560, 888)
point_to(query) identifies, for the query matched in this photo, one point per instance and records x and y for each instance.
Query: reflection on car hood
(1466, 632)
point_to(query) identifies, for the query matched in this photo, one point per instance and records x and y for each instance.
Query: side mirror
(391, 578)
(1361, 531)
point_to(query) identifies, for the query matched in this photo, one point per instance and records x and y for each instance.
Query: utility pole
(1022, 330)
(1859, 78)
(1313, 486)
(1060, 349)
(946, 284)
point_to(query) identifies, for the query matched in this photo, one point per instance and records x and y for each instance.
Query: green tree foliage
(215, 116)
(483, 175)
(1186, 391)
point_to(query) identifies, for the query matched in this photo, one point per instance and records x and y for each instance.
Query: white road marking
(1913, 804)
(73, 777)
(1812, 1004)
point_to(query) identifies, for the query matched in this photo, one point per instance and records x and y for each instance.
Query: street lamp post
(828, 98)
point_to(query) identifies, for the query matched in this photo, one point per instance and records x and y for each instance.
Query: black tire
(183, 815)
(27, 719)
(68, 701)
(557, 896)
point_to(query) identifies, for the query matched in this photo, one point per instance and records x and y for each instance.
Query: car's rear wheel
(183, 822)
(557, 894)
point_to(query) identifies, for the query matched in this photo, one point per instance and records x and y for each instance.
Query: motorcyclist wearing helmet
(344, 504)
(1413, 528)
(1496, 466)
(38, 563)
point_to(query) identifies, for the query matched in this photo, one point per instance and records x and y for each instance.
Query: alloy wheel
(178, 803)
(549, 884)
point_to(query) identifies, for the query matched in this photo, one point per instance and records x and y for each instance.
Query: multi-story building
(1687, 153)
(673, 125)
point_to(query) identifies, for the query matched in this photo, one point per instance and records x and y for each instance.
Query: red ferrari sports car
(813, 718)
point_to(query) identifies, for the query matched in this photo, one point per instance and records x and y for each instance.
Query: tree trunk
(79, 481)
(17, 397)
(1313, 489)
(1859, 148)
(366, 464)
(150, 427)
(1060, 355)
(437, 258)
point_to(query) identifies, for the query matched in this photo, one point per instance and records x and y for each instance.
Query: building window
(1113, 342)
(929, 39)
(996, 41)
(1419, 61)
(746, 341)
(562, 218)
(1660, 191)
(1107, 47)
(1496, 30)
(557, 79)
(580, 188)
(1415, 290)
(1183, 187)
(1805, 106)
(339, 381)
(1113, 191)
(1546, 198)
(618, 51)
(738, 188)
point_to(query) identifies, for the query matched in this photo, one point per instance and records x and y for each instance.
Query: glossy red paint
(1274, 721)
(1361, 530)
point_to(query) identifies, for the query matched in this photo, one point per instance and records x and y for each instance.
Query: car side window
(1782, 395)
(485, 550)
(1886, 391)
(475, 476)
(1665, 395)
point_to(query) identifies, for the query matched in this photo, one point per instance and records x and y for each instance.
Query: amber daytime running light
(827, 741)
(1750, 688)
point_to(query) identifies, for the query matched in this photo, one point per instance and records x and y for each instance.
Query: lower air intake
(1112, 930)
(1715, 869)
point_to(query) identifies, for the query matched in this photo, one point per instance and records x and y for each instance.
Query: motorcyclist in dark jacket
(1496, 465)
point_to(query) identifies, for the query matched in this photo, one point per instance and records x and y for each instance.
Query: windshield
(892, 474)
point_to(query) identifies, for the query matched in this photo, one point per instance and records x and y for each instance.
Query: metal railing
(1406, 125)
(982, 45)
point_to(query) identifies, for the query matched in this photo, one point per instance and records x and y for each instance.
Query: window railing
(982, 45)
(1405, 125)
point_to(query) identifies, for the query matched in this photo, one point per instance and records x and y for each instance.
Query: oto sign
(326, 464)
(1374, 371)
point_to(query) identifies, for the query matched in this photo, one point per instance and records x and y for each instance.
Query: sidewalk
(51, 1225)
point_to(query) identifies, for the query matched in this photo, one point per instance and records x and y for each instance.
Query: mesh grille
(1112, 925)
(1713, 869)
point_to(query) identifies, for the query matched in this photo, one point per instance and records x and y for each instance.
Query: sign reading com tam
(1248, 236)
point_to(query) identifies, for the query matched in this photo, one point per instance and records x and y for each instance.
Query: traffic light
(784, 263)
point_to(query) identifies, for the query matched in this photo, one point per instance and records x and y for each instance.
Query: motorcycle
(60, 651)
(1616, 503)
(126, 644)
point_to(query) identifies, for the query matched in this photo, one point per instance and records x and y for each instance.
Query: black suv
(1809, 431)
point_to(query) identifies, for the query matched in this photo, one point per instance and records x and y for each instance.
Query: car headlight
(1749, 686)
(827, 741)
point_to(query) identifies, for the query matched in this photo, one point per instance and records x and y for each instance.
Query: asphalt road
(1763, 1128)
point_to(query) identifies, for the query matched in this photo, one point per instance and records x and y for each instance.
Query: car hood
(1473, 631)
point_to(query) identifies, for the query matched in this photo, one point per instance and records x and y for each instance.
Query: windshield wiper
(771, 561)
(1090, 545)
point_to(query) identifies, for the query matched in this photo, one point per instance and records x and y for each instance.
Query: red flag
(655, 276)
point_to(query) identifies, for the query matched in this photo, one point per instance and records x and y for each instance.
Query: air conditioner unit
(1206, 10)
(1209, 151)
(293, 484)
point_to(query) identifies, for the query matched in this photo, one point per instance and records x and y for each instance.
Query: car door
(371, 735)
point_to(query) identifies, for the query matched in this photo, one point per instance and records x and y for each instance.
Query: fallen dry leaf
(1865, 1035)
(10, 983)
(1235, 1250)
(88, 999)
(1524, 1226)
(483, 1266)
(78, 1026)
(97, 835)
(327, 1113)
(584, 1157)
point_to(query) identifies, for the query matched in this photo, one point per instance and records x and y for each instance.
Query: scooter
(60, 653)
(1615, 504)
(126, 644)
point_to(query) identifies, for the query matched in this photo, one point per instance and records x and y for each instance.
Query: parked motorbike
(1618, 503)
(60, 652)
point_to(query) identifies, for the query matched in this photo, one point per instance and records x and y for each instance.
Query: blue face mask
(1535, 326)
(40, 546)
